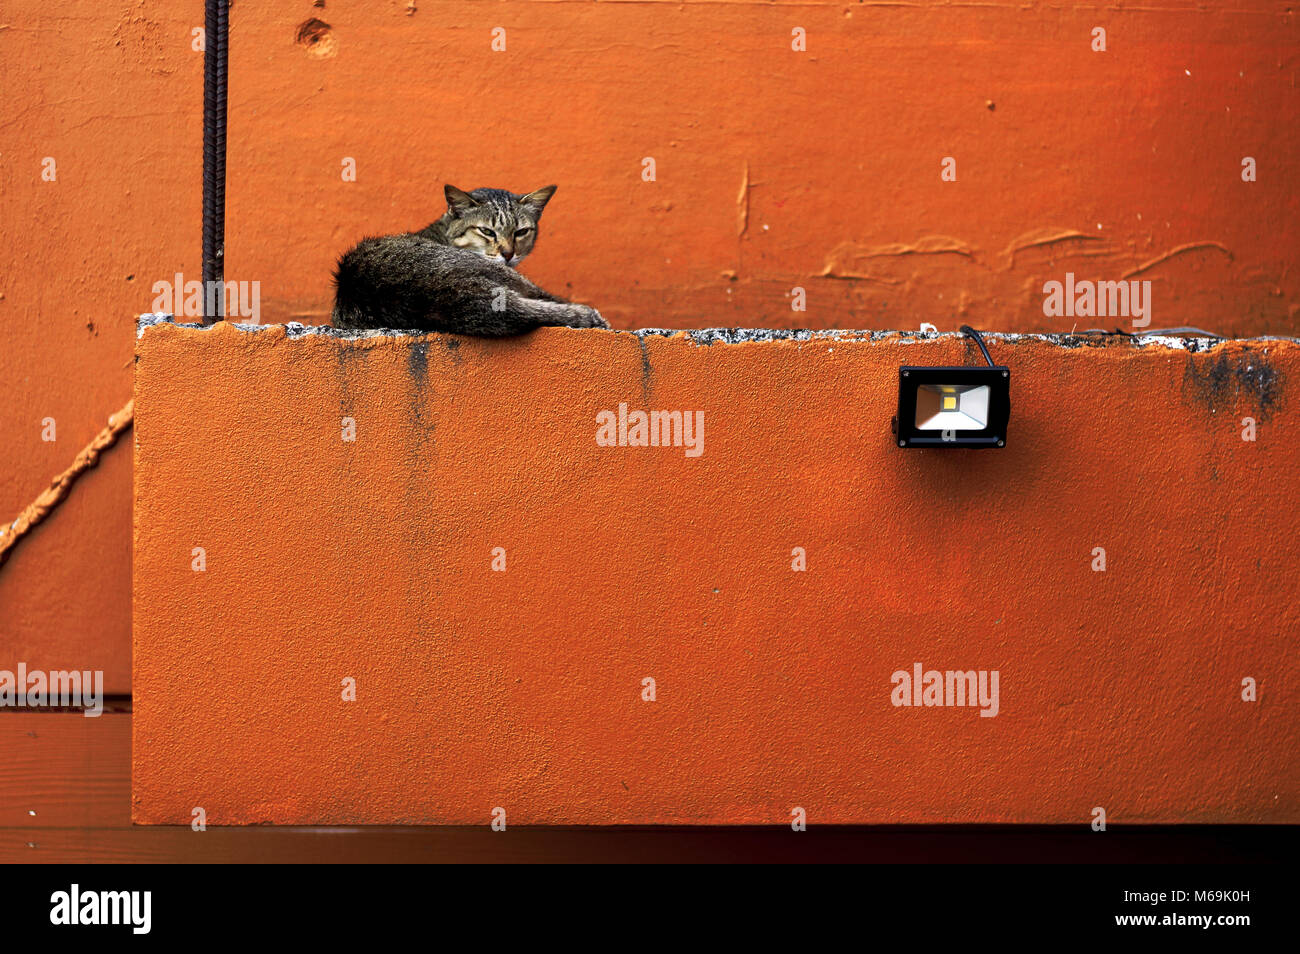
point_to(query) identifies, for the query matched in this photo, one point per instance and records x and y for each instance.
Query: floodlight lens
(952, 407)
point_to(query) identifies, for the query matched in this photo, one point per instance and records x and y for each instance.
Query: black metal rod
(215, 47)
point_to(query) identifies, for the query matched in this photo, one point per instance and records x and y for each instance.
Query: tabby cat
(458, 274)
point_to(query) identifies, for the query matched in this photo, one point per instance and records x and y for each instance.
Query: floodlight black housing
(953, 407)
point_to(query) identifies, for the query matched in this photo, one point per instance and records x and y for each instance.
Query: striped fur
(457, 275)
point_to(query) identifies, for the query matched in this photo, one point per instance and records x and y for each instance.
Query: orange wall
(371, 559)
(775, 169)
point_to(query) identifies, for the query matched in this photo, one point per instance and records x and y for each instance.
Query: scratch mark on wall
(1189, 247)
(742, 204)
(836, 270)
(929, 245)
(1039, 238)
(842, 262)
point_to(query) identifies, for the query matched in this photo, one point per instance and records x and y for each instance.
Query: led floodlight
(954, 406)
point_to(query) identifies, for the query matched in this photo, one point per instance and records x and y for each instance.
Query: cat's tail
(348, 311)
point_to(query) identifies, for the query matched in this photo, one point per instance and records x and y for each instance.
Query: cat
(457, 275)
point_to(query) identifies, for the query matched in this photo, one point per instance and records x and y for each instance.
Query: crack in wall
(735, 335)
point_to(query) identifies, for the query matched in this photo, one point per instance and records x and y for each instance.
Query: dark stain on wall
(647, 372)
(348, 353)
(1217, 380)
(417, 362)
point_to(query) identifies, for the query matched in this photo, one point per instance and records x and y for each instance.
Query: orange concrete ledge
(351, 495)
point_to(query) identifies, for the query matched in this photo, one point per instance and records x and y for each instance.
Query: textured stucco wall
(371, 559)
(775, 169)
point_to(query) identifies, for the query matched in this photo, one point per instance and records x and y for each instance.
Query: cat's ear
(537, 200)
(459, 202)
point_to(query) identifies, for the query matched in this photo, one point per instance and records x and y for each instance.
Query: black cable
(1180, 331)
(215, 48)
(979, 340)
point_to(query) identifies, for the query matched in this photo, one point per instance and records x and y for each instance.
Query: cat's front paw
(585, 316)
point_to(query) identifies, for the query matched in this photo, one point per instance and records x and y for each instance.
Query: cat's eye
(487, 232)
(520, 233)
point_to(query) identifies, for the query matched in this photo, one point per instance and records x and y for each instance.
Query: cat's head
(494, 223)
